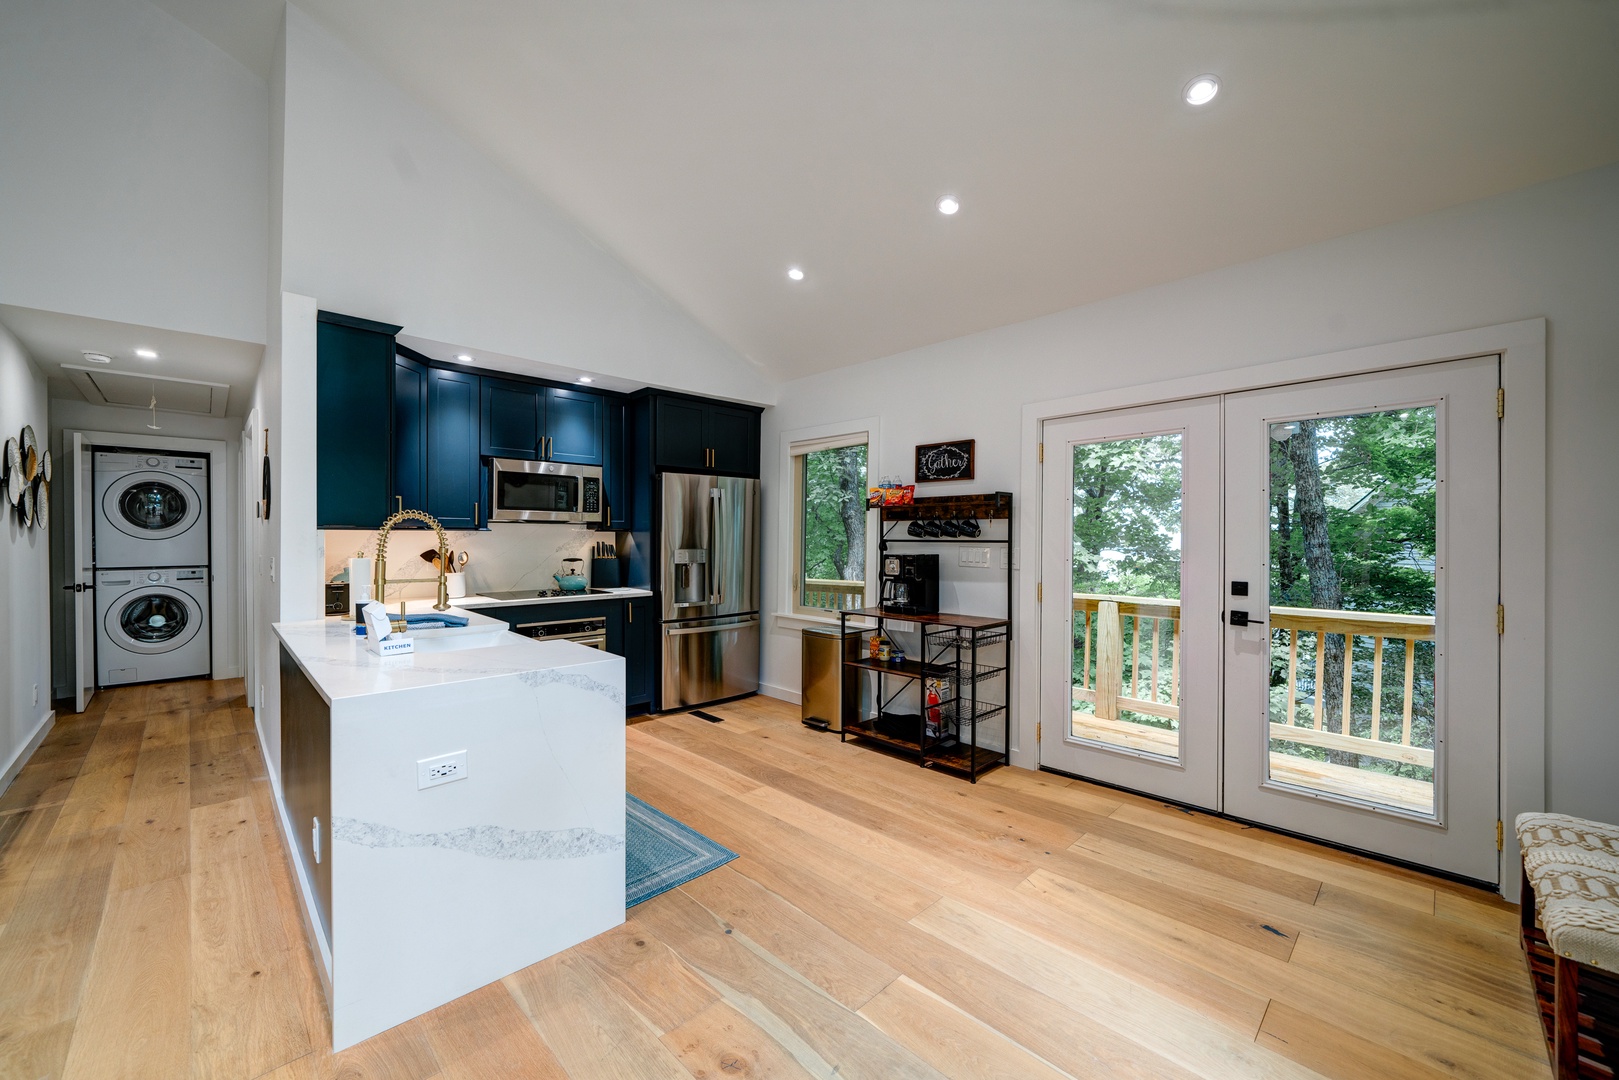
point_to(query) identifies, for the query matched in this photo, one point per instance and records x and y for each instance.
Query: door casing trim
(1522, 347)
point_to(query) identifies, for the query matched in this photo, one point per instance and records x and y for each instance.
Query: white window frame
(794, 444)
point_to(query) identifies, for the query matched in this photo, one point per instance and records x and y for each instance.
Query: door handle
(1240, 618)
(716, 498)
(681, 631)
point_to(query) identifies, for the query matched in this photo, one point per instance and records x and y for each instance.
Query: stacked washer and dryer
(152, 566)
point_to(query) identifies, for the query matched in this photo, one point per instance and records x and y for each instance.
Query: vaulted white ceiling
(713, 143)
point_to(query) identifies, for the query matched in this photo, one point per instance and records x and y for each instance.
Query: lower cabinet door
(640, 653)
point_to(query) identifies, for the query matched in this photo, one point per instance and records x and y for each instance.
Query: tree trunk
(852, 504)
(1325, 589)
(1287, 573)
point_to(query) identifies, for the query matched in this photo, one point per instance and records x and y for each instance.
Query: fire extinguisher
(933, 710)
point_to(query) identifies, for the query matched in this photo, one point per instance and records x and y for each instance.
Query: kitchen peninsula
(455, 814)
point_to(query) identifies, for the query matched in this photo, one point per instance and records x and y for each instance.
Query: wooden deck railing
(1409, 629)
(1150, 682)
(834, 595)
(1154, 623)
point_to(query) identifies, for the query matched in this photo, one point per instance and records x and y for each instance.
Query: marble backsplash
(506, 556)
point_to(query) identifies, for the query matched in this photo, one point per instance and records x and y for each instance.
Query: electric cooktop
(534, 594)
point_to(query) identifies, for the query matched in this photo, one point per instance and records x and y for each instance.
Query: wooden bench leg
(1567, 1016)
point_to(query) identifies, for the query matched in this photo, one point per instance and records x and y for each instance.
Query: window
(829, 481)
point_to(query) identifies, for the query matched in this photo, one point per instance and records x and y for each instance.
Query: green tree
(835, 514)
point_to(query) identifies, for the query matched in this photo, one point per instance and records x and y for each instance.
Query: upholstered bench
(1571, 880)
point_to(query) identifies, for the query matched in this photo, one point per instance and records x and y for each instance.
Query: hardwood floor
(883, 921)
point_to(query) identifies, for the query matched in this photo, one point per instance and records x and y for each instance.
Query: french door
(1333, 654)
(1132, 499)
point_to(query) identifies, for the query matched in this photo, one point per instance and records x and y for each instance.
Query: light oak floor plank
(882, 920)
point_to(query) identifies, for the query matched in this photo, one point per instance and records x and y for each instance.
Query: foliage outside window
(831, 534)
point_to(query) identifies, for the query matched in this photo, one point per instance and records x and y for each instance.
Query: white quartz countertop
(605, 594)
(339, 665)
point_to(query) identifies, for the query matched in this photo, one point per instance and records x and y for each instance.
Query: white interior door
(1362, 544)
(82, 576)
(1130, 619)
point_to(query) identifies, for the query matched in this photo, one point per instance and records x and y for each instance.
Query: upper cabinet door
(410, 434)
(353, 423)
(453, 466)
(732, 437)
(513, 419)
(680, 444)
(575, 427)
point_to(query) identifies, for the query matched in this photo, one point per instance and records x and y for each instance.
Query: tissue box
(392, 645)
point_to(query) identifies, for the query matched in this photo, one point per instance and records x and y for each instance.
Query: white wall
(289, 567)
(83, 416)
(1550, 250)
(134, 182)
(25, 655)
(389, 215)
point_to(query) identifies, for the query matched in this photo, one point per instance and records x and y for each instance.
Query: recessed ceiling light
(948, 205)
(463, 357)
(1201, 90)
(795, 274)
(96, 357)
(585, 378)
(146, 354)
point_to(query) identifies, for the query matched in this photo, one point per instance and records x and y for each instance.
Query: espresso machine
(910, 585)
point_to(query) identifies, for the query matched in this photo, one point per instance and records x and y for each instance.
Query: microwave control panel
(591, 497)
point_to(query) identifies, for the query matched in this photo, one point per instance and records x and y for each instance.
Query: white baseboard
(781, 693)
(26, 751)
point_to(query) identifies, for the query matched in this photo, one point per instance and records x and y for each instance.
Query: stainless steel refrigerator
(708, 551)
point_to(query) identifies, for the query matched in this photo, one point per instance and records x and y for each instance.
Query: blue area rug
(660, 852)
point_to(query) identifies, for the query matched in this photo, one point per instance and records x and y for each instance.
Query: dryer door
(151, 505)
(152, 620)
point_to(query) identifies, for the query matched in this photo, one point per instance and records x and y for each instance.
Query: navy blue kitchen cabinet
(679, 445)
(640, 652)
(410, 433)
(575, 427)
(513, 419)
(695, 435)
(354, 373)
(732, 434)
(615, 467)
(454, 470)
(531, 422)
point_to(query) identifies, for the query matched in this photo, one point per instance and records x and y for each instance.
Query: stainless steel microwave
(545, 491)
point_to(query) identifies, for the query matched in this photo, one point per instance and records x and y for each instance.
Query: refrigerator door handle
(682, 631)
(716, 569)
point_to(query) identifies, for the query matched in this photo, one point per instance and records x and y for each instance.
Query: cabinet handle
(475, 523)
(400, 499)
(548, 448)
(629, 610)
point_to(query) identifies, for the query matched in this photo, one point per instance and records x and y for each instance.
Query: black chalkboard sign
(945, 461)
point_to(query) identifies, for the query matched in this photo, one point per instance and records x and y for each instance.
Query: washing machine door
(151, 505)
(152, 620)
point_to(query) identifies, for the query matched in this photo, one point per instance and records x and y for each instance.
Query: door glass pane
(1126, 593)
(1353, 546)
(832, 540)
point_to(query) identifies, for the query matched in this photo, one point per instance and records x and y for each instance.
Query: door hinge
(1500, 402)
(1499, 832)
(1039, 592)
(1042, 451)
(1037, 731)
(1500, 618)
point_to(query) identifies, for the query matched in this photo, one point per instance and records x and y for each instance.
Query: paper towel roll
(359, 581)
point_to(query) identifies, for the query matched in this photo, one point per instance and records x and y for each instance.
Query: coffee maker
(910, 584)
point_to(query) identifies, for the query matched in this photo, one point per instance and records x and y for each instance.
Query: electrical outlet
(272, 568)
(433, 771)
(36, 693)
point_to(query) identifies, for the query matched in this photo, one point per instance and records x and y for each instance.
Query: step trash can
(827, 693)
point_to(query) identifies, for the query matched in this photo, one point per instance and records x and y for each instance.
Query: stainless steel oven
(545, 491)
(591, 633)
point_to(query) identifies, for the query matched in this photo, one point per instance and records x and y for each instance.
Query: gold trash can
(827, 693)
